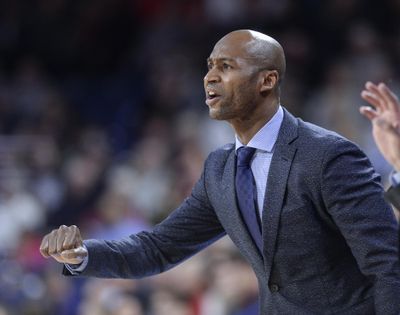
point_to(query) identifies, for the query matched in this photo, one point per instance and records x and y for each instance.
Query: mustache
(214, 88)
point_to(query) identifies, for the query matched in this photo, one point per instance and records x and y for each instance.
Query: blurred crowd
(103, 124)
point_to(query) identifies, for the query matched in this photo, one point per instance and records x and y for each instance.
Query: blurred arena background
(103, 124)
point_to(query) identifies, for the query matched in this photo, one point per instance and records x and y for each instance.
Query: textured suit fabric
(330, 241)
(247, 194)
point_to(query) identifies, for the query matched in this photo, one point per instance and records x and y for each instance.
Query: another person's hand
(65, 245)
(385, 118)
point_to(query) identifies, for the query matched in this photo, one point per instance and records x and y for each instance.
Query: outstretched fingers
(391, 100)
(368, 112)
(371, 98)
(374, 96)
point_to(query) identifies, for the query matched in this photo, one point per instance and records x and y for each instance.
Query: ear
(269, 80)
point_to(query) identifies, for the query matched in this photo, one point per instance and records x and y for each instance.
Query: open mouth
(211, 95)
(211, 98)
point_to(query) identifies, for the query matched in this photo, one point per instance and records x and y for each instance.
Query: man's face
(231, 81)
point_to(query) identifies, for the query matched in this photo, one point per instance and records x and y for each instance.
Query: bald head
(264, 51)
(242, 82)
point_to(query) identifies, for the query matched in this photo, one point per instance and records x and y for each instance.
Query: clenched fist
(64, 244)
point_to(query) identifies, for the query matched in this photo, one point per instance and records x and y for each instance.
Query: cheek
(239, 89)
(235, 88)
(244, 92)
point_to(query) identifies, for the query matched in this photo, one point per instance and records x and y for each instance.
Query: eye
(209, 65)
(226, 66)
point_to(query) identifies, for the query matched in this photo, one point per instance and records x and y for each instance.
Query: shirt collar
(265, 138)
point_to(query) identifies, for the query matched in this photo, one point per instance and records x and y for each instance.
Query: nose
(211, 77)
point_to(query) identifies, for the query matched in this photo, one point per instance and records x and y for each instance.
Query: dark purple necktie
(246, 193)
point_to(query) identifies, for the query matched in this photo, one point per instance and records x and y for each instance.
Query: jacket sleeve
(187, 230)
(354, 198)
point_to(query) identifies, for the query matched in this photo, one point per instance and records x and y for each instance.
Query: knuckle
(67, 245)
(75, 229)
(43, 244)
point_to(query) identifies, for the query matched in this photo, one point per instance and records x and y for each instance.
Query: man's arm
(190, 228)
(354, 198)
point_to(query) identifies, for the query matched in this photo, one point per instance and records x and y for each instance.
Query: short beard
(223, 111)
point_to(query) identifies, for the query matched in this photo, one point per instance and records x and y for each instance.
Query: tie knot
(244, 155)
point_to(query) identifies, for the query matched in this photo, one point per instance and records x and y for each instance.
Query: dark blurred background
(103, 124)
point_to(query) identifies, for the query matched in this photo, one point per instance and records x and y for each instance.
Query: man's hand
(65, 245)
(385, 118)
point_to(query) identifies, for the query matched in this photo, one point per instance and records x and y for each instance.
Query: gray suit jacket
(330, 241)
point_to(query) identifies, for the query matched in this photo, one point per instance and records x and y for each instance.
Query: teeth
(211, 93)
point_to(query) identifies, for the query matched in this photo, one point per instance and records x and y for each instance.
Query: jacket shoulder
(313, 136)
(218, 157)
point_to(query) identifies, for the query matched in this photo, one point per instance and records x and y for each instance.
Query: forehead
(228, 48)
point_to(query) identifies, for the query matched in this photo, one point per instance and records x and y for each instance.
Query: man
(302, 204)
(385, 118)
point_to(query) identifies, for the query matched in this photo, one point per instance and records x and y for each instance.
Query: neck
(245, 129)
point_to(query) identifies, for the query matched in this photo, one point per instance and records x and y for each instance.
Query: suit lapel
(240, 231)
(275, 191)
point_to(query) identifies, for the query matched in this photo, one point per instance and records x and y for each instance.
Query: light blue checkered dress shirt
(264, 141)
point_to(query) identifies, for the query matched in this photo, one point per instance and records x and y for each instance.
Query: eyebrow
(209, 59)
